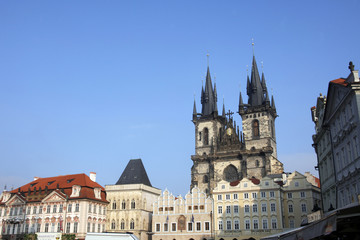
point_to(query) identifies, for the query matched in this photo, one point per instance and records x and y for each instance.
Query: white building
(73, 204)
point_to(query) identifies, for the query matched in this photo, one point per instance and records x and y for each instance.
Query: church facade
(222, 151)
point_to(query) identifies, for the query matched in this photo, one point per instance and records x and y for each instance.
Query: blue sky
(88, 85)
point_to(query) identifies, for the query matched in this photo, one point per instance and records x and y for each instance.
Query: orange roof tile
(340, 81)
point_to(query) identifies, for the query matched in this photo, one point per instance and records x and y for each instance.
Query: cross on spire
(229, 113)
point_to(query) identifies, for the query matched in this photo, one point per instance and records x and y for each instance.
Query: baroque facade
(131, 201)
(73, 204)
(222, 152)
(336, 141)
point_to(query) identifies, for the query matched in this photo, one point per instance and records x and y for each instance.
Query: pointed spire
(256, 95)
(209, 98)
(194, 110)
(223, 110)
(272, 102)
(241, 103)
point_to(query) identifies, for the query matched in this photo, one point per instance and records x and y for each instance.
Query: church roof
(134, 173)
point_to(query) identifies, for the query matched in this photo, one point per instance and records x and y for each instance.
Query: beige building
(131, 201)
(253, 208)
(73, 204)
(178, 218)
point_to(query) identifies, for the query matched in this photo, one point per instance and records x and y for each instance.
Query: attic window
(33, 184)
(70, 180)
(49, 183)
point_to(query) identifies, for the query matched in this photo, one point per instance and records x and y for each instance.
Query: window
(122, 225)
(173, 227)
(227, 196)
(113, 205)
(46, 227)
(133, 204)
(247, 224)
(289, 195)
(99, 228)
(302, 194)
(255, 127)
(236, 209)
(254, 195)
(27, 212)
(273, 208)
(88, 226)
(219, 197)
(273, 223)
(198, 226)
(93, 227)
(61, 208)
(123, 204)
(34, 210)
(291, 208)
(166, 228)
(54, 208)
(255, 208)
(235, 196)
(265, 223)
(206, 136)
(77, 206)
(256, 224)
(75, 227)
(158, 227)
(296, 184)
(112, 225)
(291, 223)
(68, 227)
(272, 194)
(48, 209)
(266, 183)
(69, 207)
(228, 225)
(190, 226)
(132, 224)
(220, 225)
(40, 209)
(207, 226)
(245, 184)
(220, 209)
(38, 227)
(94, 208)
(246, 195)
(228, 209)
(303, 207)
(247, 208)
(236, 225)
(263, 207)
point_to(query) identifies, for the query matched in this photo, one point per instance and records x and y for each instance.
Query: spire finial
(262, 66)
(252, 43)
(207, 56)
(247, 70)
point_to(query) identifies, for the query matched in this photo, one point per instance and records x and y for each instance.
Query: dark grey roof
(208, 97)
(134, 173)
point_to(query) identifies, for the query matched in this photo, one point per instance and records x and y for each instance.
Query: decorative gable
(97, 193)
(5, 196)
(54, 197)
(15, 200)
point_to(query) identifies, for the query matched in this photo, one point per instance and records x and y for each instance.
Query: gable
(54, 197)
(15, 200)
(336, 95)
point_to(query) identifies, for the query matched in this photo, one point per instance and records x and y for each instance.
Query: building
(254, 208)
(131, 201)
(180, 218)
(336, 141)
(73, 204)
(222, 152)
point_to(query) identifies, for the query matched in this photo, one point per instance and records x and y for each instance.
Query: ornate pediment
(54, 197)
(15, 200)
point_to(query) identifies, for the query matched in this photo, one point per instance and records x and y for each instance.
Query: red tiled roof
(235, 183)
(63, 183)
(340, 81)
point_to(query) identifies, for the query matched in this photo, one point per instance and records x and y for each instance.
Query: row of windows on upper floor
(349, 194)
(255, 195)
(15, 211)
(343, 117)
(235, 208)
(122, 224)
(50, 227)
(123, 205)
(196, 207)
(174, 227)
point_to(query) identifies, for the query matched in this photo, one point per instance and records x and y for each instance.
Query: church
(222, 152)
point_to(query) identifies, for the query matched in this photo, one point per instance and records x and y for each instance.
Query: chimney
(93, 176)
(36, 178)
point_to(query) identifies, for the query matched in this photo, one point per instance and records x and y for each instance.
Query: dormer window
(51, 182)
(75, 191)
(97, 193)
(70, 180)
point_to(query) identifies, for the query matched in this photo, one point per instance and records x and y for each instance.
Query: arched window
(206, 136)
(206, 179)
(113, 224)
(230, 173)
(114, 204)
(255, 128)
(123, 204)
(257, 164)
(133, 204)
(122, 224)
(132, 224)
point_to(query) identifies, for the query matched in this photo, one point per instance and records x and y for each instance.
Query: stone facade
(183, 218)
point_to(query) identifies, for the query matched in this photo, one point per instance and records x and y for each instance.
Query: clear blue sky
(87, 85)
